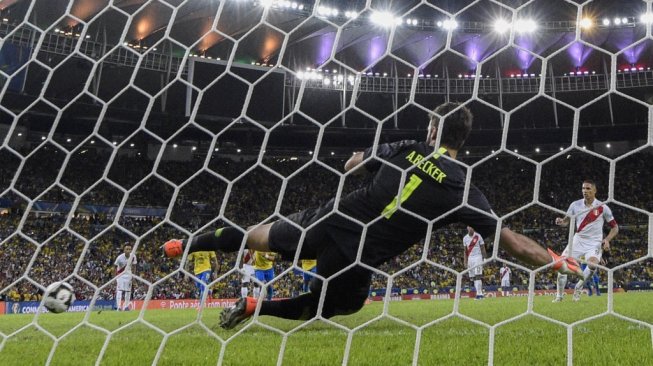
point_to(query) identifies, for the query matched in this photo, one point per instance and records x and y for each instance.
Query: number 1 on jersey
(412, 184)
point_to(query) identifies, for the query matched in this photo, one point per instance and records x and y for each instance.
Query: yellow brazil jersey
(260, 262)
(201, 261)
(308, 264)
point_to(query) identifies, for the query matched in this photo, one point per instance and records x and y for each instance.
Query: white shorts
(583, 251)
(249, 273)
(505, 283)
(475, 267)
(124, 283)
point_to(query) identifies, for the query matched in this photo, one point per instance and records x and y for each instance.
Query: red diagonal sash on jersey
(504, 274)
(590, 218)
(471, 246)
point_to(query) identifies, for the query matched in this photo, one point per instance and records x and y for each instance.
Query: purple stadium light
(633, 54)
(326, 44)
(376, 49)
(579, 53)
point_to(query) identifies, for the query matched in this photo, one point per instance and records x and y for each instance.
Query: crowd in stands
(81, 245)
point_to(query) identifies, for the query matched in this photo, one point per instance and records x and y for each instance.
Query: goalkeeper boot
(173, 248)
(565, 265)
(237, 314)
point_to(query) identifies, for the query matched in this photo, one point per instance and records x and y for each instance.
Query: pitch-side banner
(2, 307)
(31, 307)
(181, 304)
(472, 294)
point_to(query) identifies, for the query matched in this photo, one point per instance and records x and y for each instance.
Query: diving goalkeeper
(415, 184)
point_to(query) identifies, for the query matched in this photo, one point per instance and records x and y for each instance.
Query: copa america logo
(15, 307)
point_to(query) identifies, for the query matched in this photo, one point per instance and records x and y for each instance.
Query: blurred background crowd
(70, 230)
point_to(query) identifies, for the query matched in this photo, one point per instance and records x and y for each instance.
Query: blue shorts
(308, 275)
(205, 277)
(264, 276)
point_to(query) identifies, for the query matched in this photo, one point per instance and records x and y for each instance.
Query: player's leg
(345, 294)
(528, 251)
(307, 279)
(269, 276)
(226, 240)
(119, 291)
(596, 280)
(505, 286)
(587, 284)
(205, 278)
(561, 281)
(260, 275)
(478, 280)
(118, 299)
(128, 294)
(593, 258)
(244, 286)
(198, 288)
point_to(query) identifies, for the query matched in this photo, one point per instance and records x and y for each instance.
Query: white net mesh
(132, 122)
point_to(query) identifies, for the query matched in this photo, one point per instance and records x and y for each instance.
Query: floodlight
(384, 19)
(586, 23)
(501, 26)
(526, 26)
(449, 24)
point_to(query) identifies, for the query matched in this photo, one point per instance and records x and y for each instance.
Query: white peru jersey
(121, 264)
(473, 247)
(590, 220)
(505, 274)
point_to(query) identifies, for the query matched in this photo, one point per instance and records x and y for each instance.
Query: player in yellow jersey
(309, 266)
(264, 269)
(202, 269)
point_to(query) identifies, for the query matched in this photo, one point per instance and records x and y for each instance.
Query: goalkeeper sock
(226, 240)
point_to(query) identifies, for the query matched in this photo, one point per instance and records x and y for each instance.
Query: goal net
(128, 123)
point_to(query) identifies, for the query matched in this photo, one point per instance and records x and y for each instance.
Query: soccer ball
(58, 297)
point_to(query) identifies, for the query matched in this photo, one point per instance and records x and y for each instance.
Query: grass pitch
(423, 329)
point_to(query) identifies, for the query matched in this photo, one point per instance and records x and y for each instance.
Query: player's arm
(383, 151)
(563, 221)
(216, 265)
(117, 265)
(613, 232)
(483, 252)
(355, 160)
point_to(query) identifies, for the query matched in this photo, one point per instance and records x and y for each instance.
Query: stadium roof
(216, 29)
(437, 37)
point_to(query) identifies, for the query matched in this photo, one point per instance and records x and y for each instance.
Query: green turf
(194, 338)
